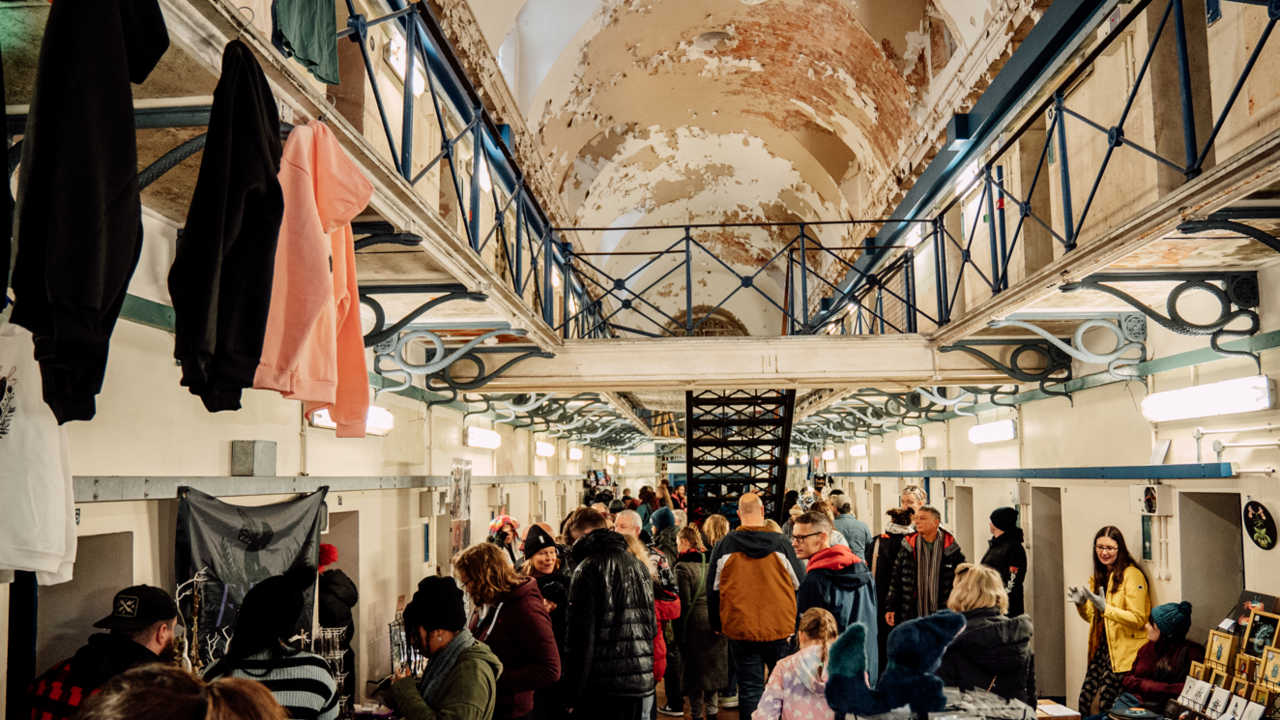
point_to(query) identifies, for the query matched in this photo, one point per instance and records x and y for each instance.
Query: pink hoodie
(314, 348)
(796, 689)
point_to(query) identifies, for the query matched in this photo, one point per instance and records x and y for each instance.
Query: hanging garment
(79, 215)
(37, 518)
(221, 278)
(307, 32)
(314, 348)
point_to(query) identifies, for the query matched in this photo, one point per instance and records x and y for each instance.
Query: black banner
(223, 550)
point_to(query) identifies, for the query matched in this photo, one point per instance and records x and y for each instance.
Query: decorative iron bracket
(1057, 364)
(1237, 297)
(1129, 330)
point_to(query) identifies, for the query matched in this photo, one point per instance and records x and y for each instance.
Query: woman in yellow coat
(1117, 605)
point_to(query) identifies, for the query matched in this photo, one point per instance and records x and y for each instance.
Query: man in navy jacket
(835, 580)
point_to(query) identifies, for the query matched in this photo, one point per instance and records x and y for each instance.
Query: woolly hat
(795, 511)
(1173, 619)
(537, 540)
(617, 506)
(663, 519)
(328, 555)
(1004, 518)
(437, 605)
(496, 524)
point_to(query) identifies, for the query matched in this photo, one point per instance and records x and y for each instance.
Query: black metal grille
(737, 441)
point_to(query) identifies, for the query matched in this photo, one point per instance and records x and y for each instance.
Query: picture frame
(1246, 604)
(1219, 679)
(1220, 649)
(1263, 627)
(1240, 687)
(1197, 670)
(1245, 666)
(1265, 697)
(1269, 667)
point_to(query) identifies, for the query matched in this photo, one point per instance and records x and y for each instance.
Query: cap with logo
(138, 607)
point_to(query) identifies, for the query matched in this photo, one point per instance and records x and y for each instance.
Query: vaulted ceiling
(667, 112)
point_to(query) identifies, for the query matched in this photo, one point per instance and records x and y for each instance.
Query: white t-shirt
(37, 519)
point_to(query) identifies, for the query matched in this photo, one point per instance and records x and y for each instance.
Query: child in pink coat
(796, 688)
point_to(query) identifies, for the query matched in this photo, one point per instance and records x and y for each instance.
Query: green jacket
(469, 692)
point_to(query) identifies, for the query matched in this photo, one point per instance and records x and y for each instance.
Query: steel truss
(584, 418)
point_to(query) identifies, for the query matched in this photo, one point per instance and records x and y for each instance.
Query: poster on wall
(459, 507)
(1249, 601)
(223, 550)
(1259, 525)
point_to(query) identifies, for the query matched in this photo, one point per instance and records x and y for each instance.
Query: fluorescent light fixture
(804, 459)
(622, 462)
(397, 57)
(914, 237)
(791, 459)
(829, 454)
(555, 278)
(910, 443)
(858, 450)
(1248, 394)
(575, 453)
(481, 438)
(544, 449)
(486, 181)
(378, 421)
(993, 432)
(610, 459)
(966, 178)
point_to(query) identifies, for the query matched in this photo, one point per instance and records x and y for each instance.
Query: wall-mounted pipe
(1200, 432)
(1219, 447)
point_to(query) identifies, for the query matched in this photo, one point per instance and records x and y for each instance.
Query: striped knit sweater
(302, 683)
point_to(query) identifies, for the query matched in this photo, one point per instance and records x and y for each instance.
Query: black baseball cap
(138, 607)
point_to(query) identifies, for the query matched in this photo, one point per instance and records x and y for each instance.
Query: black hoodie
(79, 214)
(337, 596)
(221, 278)
(105, 657)
(1006, 556)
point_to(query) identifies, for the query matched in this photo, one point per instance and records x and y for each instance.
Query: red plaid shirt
(53, 698)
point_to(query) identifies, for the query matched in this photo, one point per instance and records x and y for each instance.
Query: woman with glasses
(1116, 604)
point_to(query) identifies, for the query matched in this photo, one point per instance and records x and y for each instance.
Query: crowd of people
(586, 620)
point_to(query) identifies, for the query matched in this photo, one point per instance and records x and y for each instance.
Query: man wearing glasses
(924, 570)
(836, 581)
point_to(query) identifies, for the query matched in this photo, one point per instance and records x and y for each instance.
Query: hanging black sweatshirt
(221, 278)
(79, 215)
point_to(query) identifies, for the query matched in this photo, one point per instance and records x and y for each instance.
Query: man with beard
(141, 622)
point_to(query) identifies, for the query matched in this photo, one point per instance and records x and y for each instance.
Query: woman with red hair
(337, 596)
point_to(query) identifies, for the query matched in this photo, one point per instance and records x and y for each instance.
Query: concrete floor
(724, 714)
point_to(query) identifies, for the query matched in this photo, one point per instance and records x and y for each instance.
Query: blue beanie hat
(663, 519)
(1172, 619)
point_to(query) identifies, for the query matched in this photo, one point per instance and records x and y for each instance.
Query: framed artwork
(1240, 688)
(1220, 648)
(1265, 697)
(1270, 665)
(1245, 666)
(1197, 670)
(1261, 634)
(1219, 679)
(1246, 604)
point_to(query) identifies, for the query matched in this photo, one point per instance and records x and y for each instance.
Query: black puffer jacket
(1007, 557)
(903, 587)
(337, 596)
(611, 621)
(992, 652)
